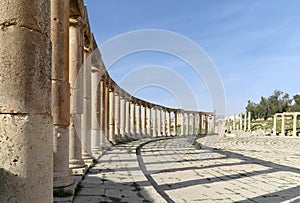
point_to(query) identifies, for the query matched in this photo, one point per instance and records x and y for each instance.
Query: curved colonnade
(88, 109)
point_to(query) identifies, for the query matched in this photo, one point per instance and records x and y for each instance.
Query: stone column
(200, 123)
(117, 117)
(175, 122)
(182, 123)
(188, 124)
(144, 121)
(249, 121)
(169, 123)
(274, 125)
(106, 108)
(128, 111)
(149, 121)
(241, 121)
(95, 128)
(159, 132)
(283, 125)
(295, 124)
(154, 122)
(102, 120)
(133, 122)
(193, 123)
(234, 123)
(112, 116)
(26, 130)
(75, 77)
(206, 124)
(138, 120)
(164, 122)
(245, 122)
(86, 116)
(60, 93)
(123, 119)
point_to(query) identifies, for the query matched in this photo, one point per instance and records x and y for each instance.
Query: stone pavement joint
(236, 169)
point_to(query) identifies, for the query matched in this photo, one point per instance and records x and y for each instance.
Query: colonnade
(241, 122)
(59, 107)
(284, 116)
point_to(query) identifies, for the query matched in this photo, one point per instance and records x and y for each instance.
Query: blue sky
(255, 45)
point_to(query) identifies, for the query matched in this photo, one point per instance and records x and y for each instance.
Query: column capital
(78, 22)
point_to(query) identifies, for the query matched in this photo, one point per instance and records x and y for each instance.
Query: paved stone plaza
(231, 169)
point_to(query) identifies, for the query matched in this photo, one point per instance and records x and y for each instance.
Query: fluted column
(26, 130)
(117, 116)
(111, 116)
(295, 124)
(75, 77)
(282, 124)
(149, 121)
(60, 93)
(123, 119)
(138, 120)
(128, 112)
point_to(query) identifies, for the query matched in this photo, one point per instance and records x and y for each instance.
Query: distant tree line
(279, 102)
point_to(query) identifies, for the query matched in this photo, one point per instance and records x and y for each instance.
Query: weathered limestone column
(111, 121)
(249, 121)
(295, 124)
(164, 119)
(122, 118)
(193, 123)
(206, 124)
(144, 121)
(26, 130)
(106, 108)
(102, 120)
(159, 132)
(86, 116)
(245, 122)
(60, 92)
(154, 122)
(188, 124)
(127, 127)
(149, 121)
(275, 125)
(75, 77)
(182, 123)
(133, 123)
(95, 126)
(234, 123)
(241, 121)
(282, 124)
(117, 117)
(175, 122)
(200, 123)
(169, 123)
(138, 120)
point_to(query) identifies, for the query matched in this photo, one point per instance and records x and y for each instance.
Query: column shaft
(283, 125)
(274, 125)
(169, 123)
(112, 116)
(127, 127)
(133, 121)
(117, 116)
(144, 121)
(138, 121)
(123, 118)
(154, 122)
(182, 123)
(149, 121)
(295, 124)
(26, 130)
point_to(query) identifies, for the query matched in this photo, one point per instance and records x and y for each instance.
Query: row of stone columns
(283, 116)
(58, 105)
(243, 123)
(196, 123)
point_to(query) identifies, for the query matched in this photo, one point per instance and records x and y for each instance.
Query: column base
(76, 163)
(62, 179)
